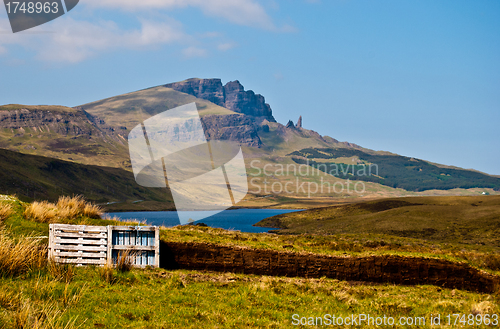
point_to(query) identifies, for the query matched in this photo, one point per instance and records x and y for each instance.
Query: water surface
(238, 219)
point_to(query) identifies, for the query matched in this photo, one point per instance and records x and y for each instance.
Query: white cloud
(75, 41)
(195, 52)
(226, 46)
(241, 12)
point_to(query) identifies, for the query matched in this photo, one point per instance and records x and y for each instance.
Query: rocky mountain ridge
(62, 133)
(66, 123)
(232, 96)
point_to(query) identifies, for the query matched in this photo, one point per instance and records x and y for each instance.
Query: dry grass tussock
(61, 272)
(5, 211)
(23, 311)
(21, 255)
(107, 274)
(485, 307)
(65, 208)
(125, 260)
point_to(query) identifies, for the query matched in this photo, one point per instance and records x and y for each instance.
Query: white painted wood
(87, 245)
(138, 248)
(97, 235)
(83, 248)
(78, 254)
(80, 261)
(77, 228)
(80, 241)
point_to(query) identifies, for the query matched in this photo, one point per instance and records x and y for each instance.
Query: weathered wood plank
(97, 235)
(109, 250)
(82, 248)
(157, 246)
(133, 228)
(81, 261)
(83, 241)
(139, 248)
(78, 228)
(79, 254)
(51, 241)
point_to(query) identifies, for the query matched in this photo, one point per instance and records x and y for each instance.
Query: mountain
(128, 110)
(227, 112)
(34, 177)
(63, 133)
(96, 134)
(232, 96)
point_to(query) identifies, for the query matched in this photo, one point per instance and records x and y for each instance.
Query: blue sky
(417, 78)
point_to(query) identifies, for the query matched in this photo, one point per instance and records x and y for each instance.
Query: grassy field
(39, 294)
(468, 221)
(186, 299)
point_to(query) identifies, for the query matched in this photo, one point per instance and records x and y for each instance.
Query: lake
(237, 219)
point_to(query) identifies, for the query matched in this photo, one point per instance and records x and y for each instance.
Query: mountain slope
(63, 133)
(392, 170)
(35, 177)
(271, 142)
(128, 110)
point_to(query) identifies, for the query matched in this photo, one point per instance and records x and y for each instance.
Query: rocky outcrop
(66, 123)
(381, 269)
(234, 127)
(290, 124)
(299, 122)
(209, 89)
(246, 102)
(231, 96)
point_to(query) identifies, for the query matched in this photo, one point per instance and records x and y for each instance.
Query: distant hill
(463, 220)
(96, 134)
(34, 177)
(392, 170)
(63, 133)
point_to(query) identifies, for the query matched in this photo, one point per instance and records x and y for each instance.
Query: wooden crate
(143, 242)
(101, 245)
(78, 244)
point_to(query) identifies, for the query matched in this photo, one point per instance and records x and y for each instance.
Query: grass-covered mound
(468, 221)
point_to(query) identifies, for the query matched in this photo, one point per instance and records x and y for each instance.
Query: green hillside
(462, 220)
(392, 170)
(39, 178)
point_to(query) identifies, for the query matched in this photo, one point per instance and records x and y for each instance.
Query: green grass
(53, 108)
(462, 220)
(155, 298)
(92, 297)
